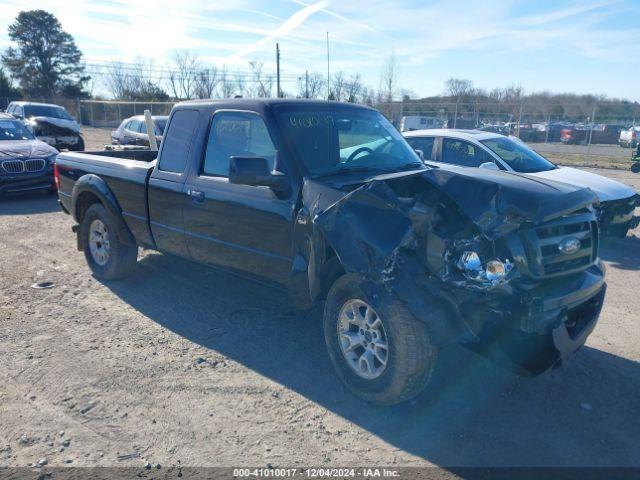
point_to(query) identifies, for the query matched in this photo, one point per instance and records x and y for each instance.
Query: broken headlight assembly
(494, 271)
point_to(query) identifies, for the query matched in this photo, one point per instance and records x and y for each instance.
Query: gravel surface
(186, 365)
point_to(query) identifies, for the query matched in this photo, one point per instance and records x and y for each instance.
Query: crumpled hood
(490, 198)
(25, 149)
(368, 221)
(605, 188)
(58, 122)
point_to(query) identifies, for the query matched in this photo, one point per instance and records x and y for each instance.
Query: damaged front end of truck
(513, 262)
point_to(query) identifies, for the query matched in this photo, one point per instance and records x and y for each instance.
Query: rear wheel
(381, 352)
(107, 256)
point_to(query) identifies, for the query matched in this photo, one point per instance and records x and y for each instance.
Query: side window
(132, 126)
(464, 154)
(236, 134)
(177, 142)
(142, 126)
(424, 144)
(10, 109)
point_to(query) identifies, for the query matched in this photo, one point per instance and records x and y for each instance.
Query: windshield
(14, 130)
(518, 155)
(46, 111)
(342, 139)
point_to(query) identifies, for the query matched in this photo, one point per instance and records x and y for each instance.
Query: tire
(109, 259)
(410, 357)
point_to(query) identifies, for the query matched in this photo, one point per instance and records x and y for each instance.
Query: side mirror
(420, 153)
(254, 171)
(490, 166)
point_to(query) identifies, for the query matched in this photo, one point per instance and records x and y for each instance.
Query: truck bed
(125, 173)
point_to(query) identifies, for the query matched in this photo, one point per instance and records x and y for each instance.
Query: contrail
(288, 26)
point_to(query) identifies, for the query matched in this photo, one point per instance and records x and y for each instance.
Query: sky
(588, 46)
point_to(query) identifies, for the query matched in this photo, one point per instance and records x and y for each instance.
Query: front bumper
(24, 182)
(539, 326)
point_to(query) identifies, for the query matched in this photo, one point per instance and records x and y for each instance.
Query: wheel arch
(91, 189)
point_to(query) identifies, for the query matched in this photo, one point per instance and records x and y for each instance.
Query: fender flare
(98, 187)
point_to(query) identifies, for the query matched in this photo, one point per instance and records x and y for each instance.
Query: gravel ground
(185, 365)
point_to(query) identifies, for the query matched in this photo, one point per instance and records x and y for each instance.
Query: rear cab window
(176, 148)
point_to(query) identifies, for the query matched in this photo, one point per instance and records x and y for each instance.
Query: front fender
(93, 184)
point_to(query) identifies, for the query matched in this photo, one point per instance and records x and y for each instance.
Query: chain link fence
(579, 123)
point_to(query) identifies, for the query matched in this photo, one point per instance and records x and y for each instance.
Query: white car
(473, 148)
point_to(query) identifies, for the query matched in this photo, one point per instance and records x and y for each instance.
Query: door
(240, 227)
(424, 144)
(166, 189)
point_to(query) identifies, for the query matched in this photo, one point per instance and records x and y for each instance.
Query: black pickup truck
(329, 201)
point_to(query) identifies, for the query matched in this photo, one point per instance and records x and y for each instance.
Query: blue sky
(582, 47)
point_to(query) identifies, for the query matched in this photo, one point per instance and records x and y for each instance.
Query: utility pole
(279, 94)
(328, 70)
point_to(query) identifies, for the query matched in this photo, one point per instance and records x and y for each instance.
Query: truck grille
(545, 245)
(20, 166)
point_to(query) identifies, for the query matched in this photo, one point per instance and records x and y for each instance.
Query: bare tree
(133, 81)
(264, 83)
(226, 86)
(207, 80)
(338, 87)
(184, 78)
(458, 88)
(354, 89)
(241, 85)
(389, 78)
(312, 85)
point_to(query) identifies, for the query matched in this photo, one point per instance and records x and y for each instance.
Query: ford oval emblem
(569, 245)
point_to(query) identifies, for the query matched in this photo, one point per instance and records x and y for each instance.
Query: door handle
(196, 196)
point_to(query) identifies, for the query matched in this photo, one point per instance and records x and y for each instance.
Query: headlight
(470, 261)
(495, 271)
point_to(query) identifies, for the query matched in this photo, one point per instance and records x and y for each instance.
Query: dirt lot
(181, 364)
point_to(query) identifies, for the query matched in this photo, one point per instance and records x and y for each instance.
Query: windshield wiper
(339, 171)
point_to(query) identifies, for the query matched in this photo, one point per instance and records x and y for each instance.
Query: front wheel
(107, 256)
(380, 351)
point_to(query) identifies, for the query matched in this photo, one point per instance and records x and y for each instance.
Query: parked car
(133, 131)
(629, 137)
(25, 163)
(591, 134)
(472, 148)
(50, 123)
(330, 202)
(419, 122)
(494, 128)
